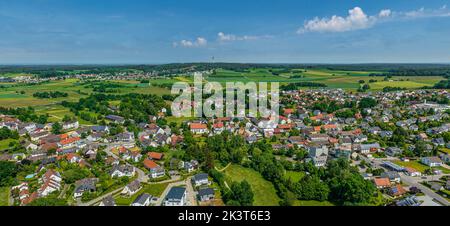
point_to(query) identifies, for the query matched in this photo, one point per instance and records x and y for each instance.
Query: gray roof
(206, 192)
(200, 176)
(176, 193)
(142, 198)
(108, 201)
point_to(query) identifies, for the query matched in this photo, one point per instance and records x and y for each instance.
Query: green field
(11, 96)
(312, 203)
(152, 189)
(413, 164)
(4, 144)
(265, 193)
(21, 95)
(333, 79)
(294, 176)
(4, 196)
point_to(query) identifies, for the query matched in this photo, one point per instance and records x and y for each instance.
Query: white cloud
(425, 13)
(199, 42)
(230, 37)
(385, 13)
(357, 19)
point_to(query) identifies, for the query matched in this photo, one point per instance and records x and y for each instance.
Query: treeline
(25, 114)
(48, 95)
(180, 68)
(444, 84)
(133, 106)
(427, 71)
(6, 133)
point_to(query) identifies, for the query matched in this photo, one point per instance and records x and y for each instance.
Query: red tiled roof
(382, 182)
(149, 164)
(155, 155)
(198, 126)
(69, 140)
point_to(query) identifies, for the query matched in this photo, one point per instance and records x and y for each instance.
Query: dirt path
(224, 168)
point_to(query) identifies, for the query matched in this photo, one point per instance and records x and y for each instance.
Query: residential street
(412, 181)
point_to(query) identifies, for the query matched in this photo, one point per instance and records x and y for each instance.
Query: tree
(311, 188)
(8, 172)
(346, 185)
(240, 193)
(367, 102)
(56, 128)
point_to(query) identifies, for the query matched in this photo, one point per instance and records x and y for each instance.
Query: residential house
(206, 194)
(393, 176)
(397, 190)
(176, 197)
(382, 182)
(200, 179)
(108, 201)
(198, 128)
(132, 188)
(142, 200)
(115, 118)
(123, 171)
(84, 185)
(50, 182)
(156, 170)
(431, 161)
(70, 125)
(393, 151)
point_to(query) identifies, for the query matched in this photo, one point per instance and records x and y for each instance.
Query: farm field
(21, 95)
(265, 193)
(348, 80)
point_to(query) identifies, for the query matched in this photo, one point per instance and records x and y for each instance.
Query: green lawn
(4, 144)
(445, 150)
(294, 176)
(152, 189)
(412, 164)
(312, 203)
(4, 195)
(265, 193)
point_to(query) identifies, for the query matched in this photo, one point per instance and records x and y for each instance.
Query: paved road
(63, 192)
(412, 181)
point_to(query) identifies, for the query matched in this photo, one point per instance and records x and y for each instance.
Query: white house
(200, 179)
(132, 188)
(71, 125)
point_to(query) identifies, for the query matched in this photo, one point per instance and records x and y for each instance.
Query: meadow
(264, 191)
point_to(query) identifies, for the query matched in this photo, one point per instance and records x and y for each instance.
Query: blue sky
(282, 31)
